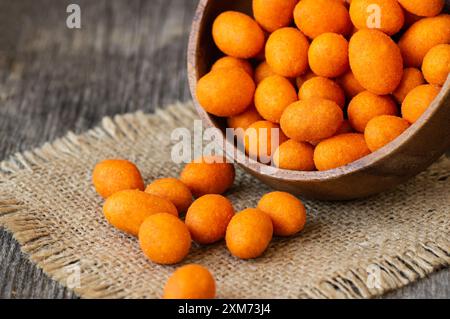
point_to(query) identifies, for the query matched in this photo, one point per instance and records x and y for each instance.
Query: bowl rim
(291, 175)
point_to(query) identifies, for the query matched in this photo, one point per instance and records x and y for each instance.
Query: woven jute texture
(357, 249)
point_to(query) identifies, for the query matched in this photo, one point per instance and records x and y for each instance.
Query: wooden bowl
(417, 148)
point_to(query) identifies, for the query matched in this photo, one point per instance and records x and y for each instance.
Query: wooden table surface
(129, 55)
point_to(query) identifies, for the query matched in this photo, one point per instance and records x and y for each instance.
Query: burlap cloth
(354, 249)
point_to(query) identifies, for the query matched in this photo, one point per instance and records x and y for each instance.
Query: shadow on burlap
(357, 249)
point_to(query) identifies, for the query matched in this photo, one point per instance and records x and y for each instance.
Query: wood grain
(129, 55)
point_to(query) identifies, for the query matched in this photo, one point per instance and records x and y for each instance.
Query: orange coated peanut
(274, 14)
(376, 61)
(110, 176)
(436, 64)
(339, 151)
(314, 17)
(249, 233)
(238, 35)
(190, 282)
(328, 55)
(417, 101)
(272, 96)
(297, 156)
(226, 91)
(208, 175)
(320, 87)
(311, 120)
(287, 52)
(427, 8)
(208, 217)
(164, 239)
(288, 214)
(383, 129)
(390, 14)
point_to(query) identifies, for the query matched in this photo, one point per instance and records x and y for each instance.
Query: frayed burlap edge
(398, 271)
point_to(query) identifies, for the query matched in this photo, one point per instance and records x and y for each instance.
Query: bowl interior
(203, 53)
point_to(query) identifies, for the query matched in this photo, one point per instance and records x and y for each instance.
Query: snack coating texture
(315, 17)
(383, 129)
(418, 101)
(208, 175)
(339, 151)
(272, 96)
(366, 105)
(422, 36)
(427, 8)
(232, 62)
(173, 190)
(320, 87)
(376, 61)
(411, 79)
(311, 120)
(274, 14)
(328, 55)
(263, 71)
(249, 233)
(259, 140)
(208, 217)
(391, 15)
(238, 35)
(287, 52)
(350, 84)
(164, 239)
(190, 282)
(436, 64)
(127, 209)
(113, 175)
(225, 92)
(296, 156)
(287, 212)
